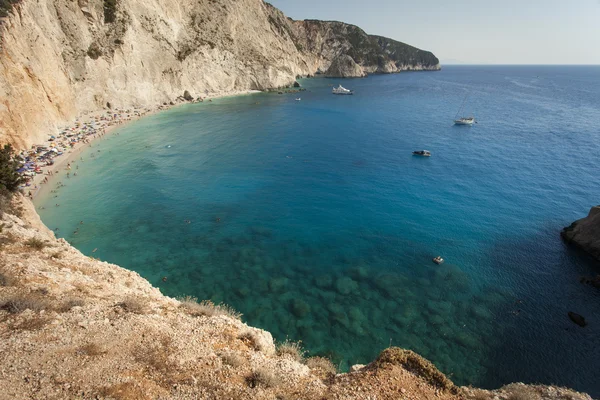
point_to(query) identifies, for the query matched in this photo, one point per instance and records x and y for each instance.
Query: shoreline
(38, 187)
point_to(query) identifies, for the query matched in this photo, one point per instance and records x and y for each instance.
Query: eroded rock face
(585, 233)
(62, 58)
(344, 66)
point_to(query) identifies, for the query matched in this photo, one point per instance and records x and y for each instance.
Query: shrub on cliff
(110, 11)
(6, 6)
(9, 177)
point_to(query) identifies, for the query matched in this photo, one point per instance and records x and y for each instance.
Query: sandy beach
(109, 121)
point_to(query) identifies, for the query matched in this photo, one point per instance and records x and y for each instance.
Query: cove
(314, 220)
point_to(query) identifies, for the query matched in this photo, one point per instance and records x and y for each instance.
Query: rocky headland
(75, 327)
(585, 233)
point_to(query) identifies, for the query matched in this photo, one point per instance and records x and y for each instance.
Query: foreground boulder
(585, 233)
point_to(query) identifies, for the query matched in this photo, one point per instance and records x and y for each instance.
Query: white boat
(463, 120)
(298, 99)
(341, 90)
(422, 153)
(438, 260)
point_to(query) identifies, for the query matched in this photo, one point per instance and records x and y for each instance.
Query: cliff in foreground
(75, 327)
(63, 58)
(585, 233)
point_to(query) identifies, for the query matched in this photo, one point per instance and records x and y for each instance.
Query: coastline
(125, 116)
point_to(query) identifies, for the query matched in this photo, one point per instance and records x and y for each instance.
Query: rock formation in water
(585, 233)
(63, 58)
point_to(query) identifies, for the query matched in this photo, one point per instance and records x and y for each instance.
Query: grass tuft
(322, 366)
(134, 305)
(25, 301)
(36, 244)
(291, 349)
(232, 359)
(68, 304)
(207, 308)
(249, 338)
(262, 377)
(91, 350)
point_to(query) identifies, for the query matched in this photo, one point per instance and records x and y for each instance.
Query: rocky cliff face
(585, 233)
(62, 58)
(344, 66)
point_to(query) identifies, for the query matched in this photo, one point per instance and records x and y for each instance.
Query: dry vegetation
(262, 377)
(249, 339)
(232, 359)
(36, 244)
(134, 305)
(24, 301)
(292, 350)
(207, 308)
(91, 350)
(321, 366)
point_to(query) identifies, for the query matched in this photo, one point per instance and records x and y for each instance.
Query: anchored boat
(422, 153)
(341, 90)
(463, 120)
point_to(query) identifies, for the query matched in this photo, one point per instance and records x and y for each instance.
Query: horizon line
(520, 65)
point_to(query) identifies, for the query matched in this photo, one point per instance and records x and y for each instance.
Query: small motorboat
(422, 153)
(298, 99)
(438, 260)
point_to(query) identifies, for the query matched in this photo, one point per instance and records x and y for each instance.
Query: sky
(473, 31)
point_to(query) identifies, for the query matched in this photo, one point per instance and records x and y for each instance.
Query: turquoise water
(313, 219)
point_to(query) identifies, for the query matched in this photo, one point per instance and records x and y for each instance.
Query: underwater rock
(578, 319)
(481, 312)
(277, 285)
(300, 308)
(345, 286)
(324, 281)
(358, 273)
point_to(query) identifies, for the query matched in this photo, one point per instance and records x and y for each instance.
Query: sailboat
(463, 120)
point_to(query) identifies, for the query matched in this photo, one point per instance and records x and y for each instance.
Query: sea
(314, 219)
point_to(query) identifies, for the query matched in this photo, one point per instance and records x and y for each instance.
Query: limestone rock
(585, 233)
(356, 367)
(61, 58)
(344, 66)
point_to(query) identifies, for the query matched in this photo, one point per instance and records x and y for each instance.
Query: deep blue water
(314, 220)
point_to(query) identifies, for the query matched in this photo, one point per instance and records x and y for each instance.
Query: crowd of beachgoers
(43, 161)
